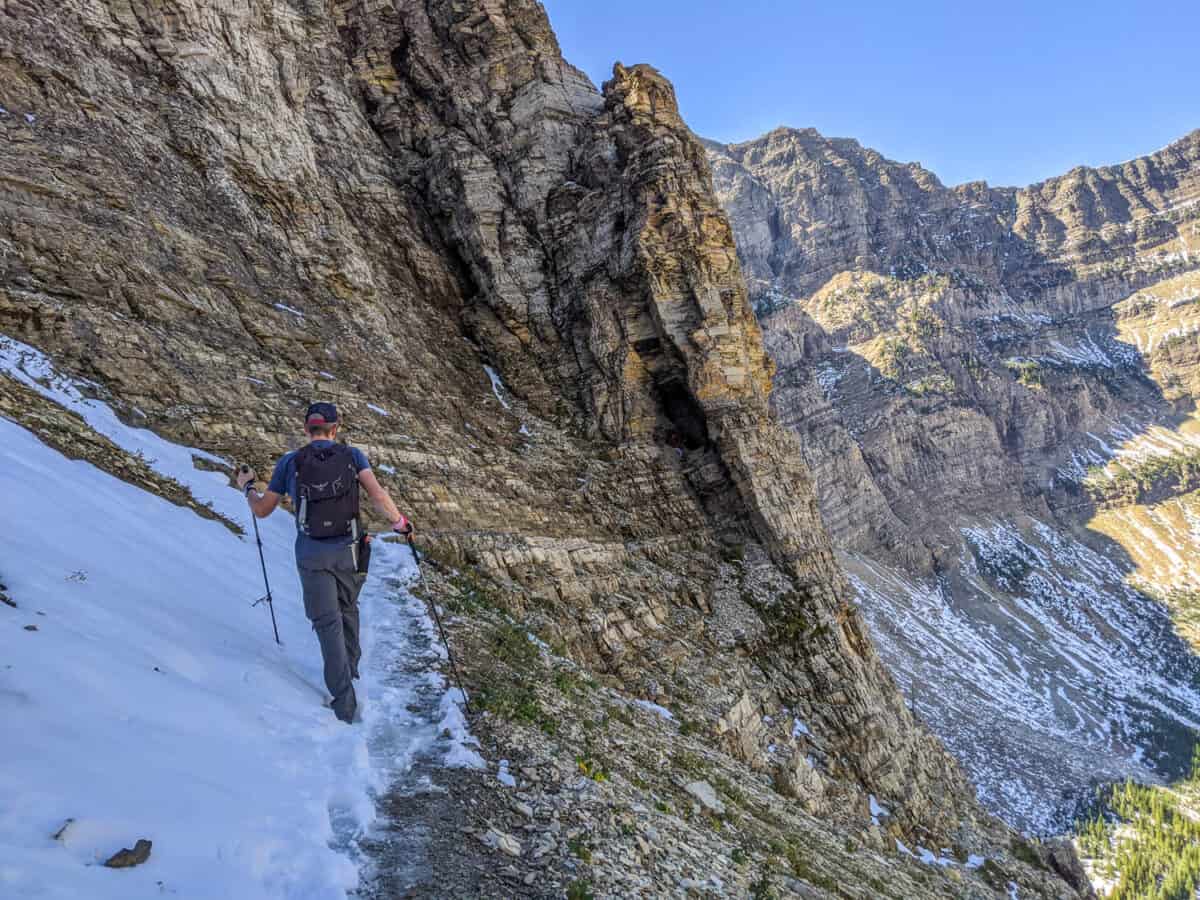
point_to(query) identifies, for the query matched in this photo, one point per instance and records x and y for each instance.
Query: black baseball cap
(321, 414)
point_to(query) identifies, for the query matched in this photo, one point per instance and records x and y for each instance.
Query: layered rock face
(953, 360)
(950, 295)
(807, 208)
(649, 309)
(220, 212)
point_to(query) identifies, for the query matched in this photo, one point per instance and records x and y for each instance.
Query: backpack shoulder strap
(302, 457)
(345, 455)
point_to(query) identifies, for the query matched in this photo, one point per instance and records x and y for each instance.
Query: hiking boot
(345, 706)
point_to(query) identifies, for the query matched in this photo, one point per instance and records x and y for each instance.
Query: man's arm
(262, 505)
(382, 501)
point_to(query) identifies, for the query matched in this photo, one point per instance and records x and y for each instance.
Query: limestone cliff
(527, 300)
(954, 360)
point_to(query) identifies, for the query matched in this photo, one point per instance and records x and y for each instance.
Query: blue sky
(1010, 92)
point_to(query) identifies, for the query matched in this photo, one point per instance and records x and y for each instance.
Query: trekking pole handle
(249, 485)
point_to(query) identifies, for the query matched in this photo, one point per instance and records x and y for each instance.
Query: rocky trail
(420, 844)
(213, 708)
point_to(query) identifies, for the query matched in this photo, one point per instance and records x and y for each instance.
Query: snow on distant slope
(151, 700)
(1038, 666)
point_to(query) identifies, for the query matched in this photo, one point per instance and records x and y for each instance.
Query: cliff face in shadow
(961, 363)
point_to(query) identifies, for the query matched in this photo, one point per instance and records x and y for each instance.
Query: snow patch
(877, 809)
(152, 682)
(497, 385)
(656, 709)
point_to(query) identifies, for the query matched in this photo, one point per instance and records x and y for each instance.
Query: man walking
(323, 480)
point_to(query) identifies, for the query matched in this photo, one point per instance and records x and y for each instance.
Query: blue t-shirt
(283, 481)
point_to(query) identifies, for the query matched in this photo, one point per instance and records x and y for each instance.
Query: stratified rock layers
(218, 212)
(961, 365)
(913, 324)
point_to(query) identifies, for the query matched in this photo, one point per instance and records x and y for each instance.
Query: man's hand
(403, 526)
(244, 477)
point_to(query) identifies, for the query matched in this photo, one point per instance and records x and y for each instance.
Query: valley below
(995, 390)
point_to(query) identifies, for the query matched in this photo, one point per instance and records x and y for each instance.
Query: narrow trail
(415, 730)
(114, 634)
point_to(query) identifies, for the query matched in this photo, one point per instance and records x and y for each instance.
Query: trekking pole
(442, 631)
(263, 561)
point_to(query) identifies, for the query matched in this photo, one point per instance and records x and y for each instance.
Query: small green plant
(592, 769)
(992, 874)
(787, 619)
(1026, 853)
(510, 643)
(802, 868)
(1028, 372)
(729, 789)
(619, 713)
(761, 889)
(468, 595)
(580, 890)
(515, 701)
(739, 856)
(894, 353)
(686, 761)
(571, 683)
(930, 384)
(579, 848)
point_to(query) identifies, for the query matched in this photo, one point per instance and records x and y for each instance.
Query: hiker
(323, 479)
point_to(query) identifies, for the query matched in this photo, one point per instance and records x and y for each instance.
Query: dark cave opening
(688, 423)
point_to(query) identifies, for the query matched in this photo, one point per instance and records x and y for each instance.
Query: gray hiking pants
(331, 587)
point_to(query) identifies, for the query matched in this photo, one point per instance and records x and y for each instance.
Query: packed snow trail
(419, 725)
(152, 702)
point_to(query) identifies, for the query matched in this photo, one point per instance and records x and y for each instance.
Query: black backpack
(327, 485)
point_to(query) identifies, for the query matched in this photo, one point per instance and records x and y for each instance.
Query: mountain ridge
(965, 368)
(732, 147)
